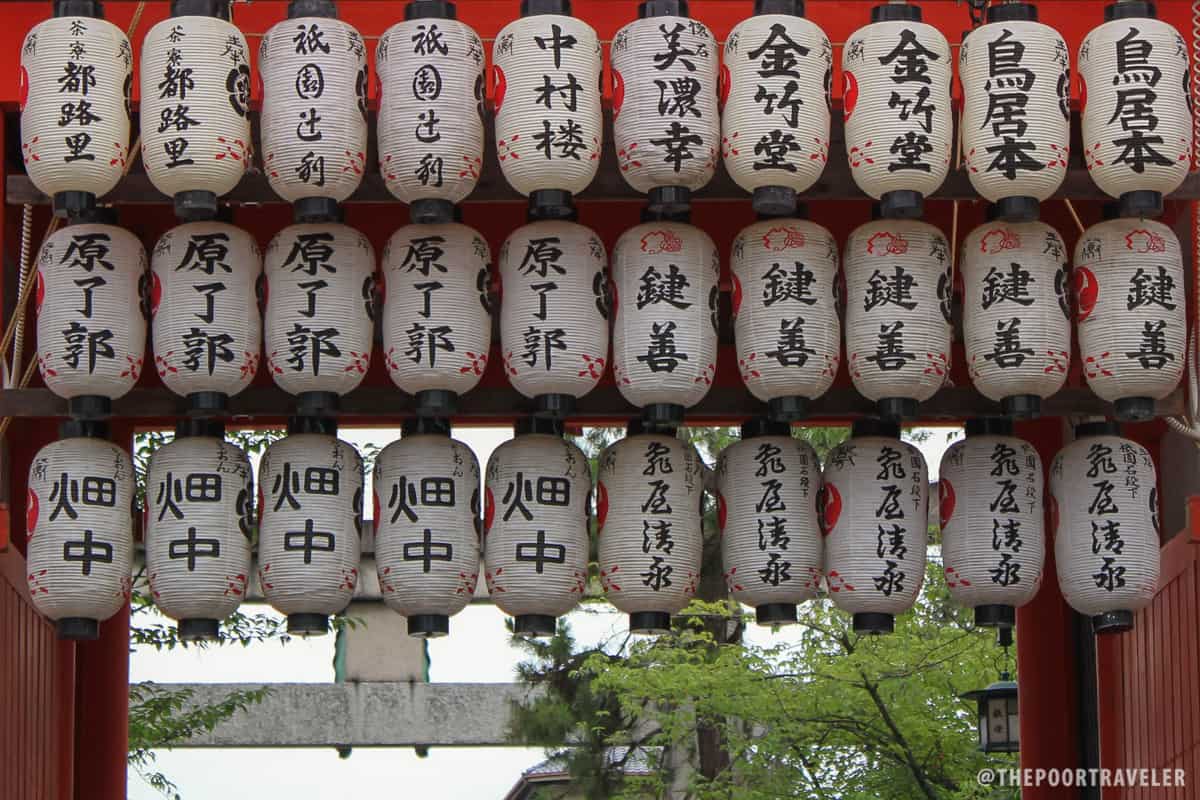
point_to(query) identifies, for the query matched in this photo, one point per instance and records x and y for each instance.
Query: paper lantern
(896, 102)
(195, 106)
(536, 526)
(554, 312)
(204, 305)
(1130, 313)
(991, 504)
(776, 81)
(1016, 80)
(665, 316)
(785, 319)
(314, 136)
(320, 283)
(771, 543)
(666, 127)
(549, 128)
(91, 335)
(198, 529)
(79, 531)
(875, 520)
(898, 292)
(648, 498)
(310, 525)
(1016, 313)
(1104, 518)
(76, 72)
(426, 489)
(431, 106)
(437, 326)
(1135, 96)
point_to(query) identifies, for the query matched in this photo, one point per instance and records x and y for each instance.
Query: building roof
(554, 770)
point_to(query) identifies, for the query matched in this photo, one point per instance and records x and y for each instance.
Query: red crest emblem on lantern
(155, 293)
(1144, 241)
(22, 86)
(31, 512)
(736, 294)
(999, 239)
(375, 508)
(618, 93)
(601, 505)
(945, 501)
(489, 510)
(782, 238)
(723, 83)
(499, 86)
(40, 289)
(656, 242)
(849, 94)
(1087, 290)
(885, 243)
(831, 508)
(722, 512)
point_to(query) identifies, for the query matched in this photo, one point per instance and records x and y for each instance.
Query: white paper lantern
(79, 529)
(314, 137)
(1016, 79)
(666, 126)
(1016, 313)
(554, 311)
(426, 489)
(648, 497)
(785, 320)
(195, 110)
(665, 295)
(1104, 518)
(896, 74)
(993, 537)
(775, 126)
(199, 501)
(771, 543)
(431, 107)
(1135, 95)
(875, 518)
(536, 527)
(898, 291)
(437, 325)
(318, 327)
(310, 499)
(91, 335)
(1130, 312)
(204, 305)
(549, 128)
(75, 78)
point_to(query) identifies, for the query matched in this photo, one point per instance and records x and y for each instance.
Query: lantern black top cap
(430, 9)
(989, 426)
(873, 426)
(546, 425)
(194, 426)
(79, 8)
(316, 209)
(530, 8)
(893, 12)
(793, 7)
(662, 8)
(201, 8)
(996, 690)
(1130, 9)
(549, 204)
(312, 8)
(1012, 12)
(761, 426)
(438, 426)
(1104, 428)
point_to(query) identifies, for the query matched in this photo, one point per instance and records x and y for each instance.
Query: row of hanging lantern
(774, 135)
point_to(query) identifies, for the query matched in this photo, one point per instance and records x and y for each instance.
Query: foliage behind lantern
(648, 510)
(437, 326)
(320, 286)
(204, 306)
(665, 313)
(549, 129)
(427, 529)
(431, 109)
(76, 74)
(775, 126)
(554, 309)
(314, 139)
(310, 523)
(79, 527)
(1130, 312)
(91, 334)
(665, 120)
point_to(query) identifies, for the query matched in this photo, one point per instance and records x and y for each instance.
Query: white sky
(477, 651)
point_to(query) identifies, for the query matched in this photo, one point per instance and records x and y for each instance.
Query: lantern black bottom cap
(874, 624)
(89, 407)
(436, 403)
(649, 622)
(428, 626)
(775, 614)
(551, 203)
(1134, 409)
(657, 416)
(199, 630)
(430, 211)
(557, 406)
(317, 404)
(995, 616)
(430, 9)
(793, 7)
(774, 201)
(662, 8)
(897, 408)
(531, 8)
(1022, 406)
(316, 209)
(1112, 622)
(207, 404)
(787, 409)
(307, 624)
(1141, 204)
(80, 629)
(535, 625)
(74, 204)
(1130, 9)
(196, 205)
(902, 203)
(1018, 209)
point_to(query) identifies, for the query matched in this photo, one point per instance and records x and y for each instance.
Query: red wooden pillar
(1047, 664)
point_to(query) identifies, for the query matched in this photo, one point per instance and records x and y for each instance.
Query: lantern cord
(24, 265)
(977, 9)
(1071, 208)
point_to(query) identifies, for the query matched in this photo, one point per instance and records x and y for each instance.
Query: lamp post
(999, 724)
